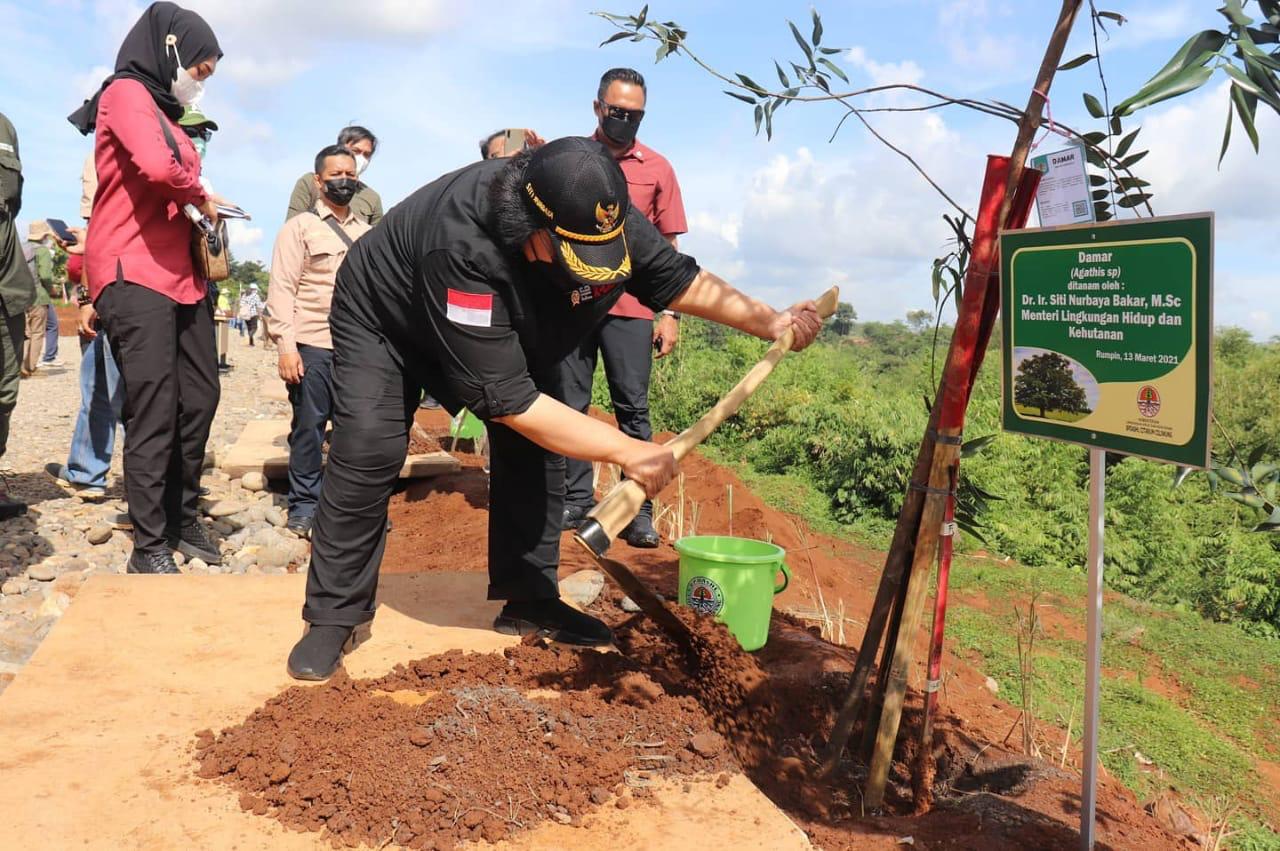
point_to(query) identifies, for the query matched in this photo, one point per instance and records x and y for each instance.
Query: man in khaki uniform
(17, 293)
(308, 251)
(366, 204)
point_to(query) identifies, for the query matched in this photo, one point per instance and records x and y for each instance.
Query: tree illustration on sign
(1045, 382)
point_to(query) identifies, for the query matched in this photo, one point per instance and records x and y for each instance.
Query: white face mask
(186, 89)
(362, 162)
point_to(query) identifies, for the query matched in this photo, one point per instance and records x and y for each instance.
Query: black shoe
(194, 542)
(203, 491)
(319, 652)
(10, 509)
(575, 516)
(553, 619)
(640, 533)
(154, 561)
(300, 526)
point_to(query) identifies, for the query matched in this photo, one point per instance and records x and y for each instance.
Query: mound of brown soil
(462, 747)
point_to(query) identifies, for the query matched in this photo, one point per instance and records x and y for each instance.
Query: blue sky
(781, 219)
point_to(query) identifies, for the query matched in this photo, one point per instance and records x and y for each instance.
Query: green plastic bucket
(734, 579)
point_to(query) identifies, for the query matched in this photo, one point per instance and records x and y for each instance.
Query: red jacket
(139, 231)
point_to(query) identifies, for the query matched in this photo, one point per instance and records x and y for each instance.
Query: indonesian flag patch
(470, 308)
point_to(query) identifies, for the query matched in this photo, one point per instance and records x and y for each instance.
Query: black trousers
(252, 324)
(376, 391)
(312, 401)
(169, 371)
(627, 348)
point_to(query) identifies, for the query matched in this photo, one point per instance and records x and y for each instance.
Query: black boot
(153, 561)
(575, 516)
(194, 542)
(553, 619)
(640, 532)
(319, 653)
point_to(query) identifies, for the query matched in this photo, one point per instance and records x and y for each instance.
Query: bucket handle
(786, 578)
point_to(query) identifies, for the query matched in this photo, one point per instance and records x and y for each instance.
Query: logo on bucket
(705, 597)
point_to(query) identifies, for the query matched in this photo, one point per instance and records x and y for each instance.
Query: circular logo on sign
(705, 596)
(1148, 401)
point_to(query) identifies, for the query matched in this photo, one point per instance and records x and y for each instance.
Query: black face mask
(618, 131)
(341, 190)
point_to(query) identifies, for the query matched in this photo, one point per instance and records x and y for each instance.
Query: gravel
(47, 554)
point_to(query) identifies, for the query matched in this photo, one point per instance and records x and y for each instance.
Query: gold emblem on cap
(606, 217)
(598, 274)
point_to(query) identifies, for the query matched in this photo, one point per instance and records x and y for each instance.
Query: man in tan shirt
(308, 251)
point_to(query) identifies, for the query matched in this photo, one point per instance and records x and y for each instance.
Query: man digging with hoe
(474, 289)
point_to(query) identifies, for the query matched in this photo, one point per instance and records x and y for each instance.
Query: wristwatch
(672, 314)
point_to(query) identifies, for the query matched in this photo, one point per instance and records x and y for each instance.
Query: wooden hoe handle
(623, 503)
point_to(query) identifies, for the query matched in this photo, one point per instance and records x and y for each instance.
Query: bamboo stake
(955, 391)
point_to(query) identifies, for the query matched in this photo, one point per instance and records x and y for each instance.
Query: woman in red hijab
(142, 279)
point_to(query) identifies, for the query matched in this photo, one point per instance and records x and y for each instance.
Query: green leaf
(1115, 16)
(1131, 201)
(1250, 499)
(663, 49)
(1101, 210)
(835, 69)
(817, 28)
(751, 84)
(1130, 161)
(976, 446)
(936, 280)
(1263, 36)
(1116, 129)
(1094, 106)
(1261, 473)
(1246, 104)
(1242, 79)
(1097, 180)
(759, 117)
(1094, 158)
(782, 75)
(1226, 134)
(1185, 81)
(1197, 50)
(1094, 138)
(1100, 194)
(1230, 474)
(644, 14)
(1126, 143)
(1127, 183)
(821, 81)
(1234, 12)
(804, 45)
(1268, 87)
(740, 96)
(1076, 63)
(832, 51)
(1180, 475)
(1248, 50)
(618, 36)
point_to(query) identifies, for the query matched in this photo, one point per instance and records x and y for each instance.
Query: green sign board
(1107, 335)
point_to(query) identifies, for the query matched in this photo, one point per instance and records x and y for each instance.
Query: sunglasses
(630, 115)
(198, 133)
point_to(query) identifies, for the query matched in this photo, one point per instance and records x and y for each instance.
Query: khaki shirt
(88, 186)
(304, 265)
(366, 204)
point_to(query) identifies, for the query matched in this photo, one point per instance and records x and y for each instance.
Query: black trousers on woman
(168, 363)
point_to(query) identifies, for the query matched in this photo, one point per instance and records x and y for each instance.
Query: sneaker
(54, 362)
(319, 652)
(194, 542)
(58, 472)
(156, 561)
(553, 619)
(300, 526)
(575, 516)
(640, 533)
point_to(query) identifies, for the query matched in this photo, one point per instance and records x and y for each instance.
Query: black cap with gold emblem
(577, 189)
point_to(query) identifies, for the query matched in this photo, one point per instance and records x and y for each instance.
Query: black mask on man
(618, 131)
(341, 190)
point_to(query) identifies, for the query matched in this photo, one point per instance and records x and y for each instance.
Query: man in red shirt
(628, 336)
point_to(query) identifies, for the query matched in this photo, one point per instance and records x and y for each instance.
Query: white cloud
(884, 73)
(246, 240)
